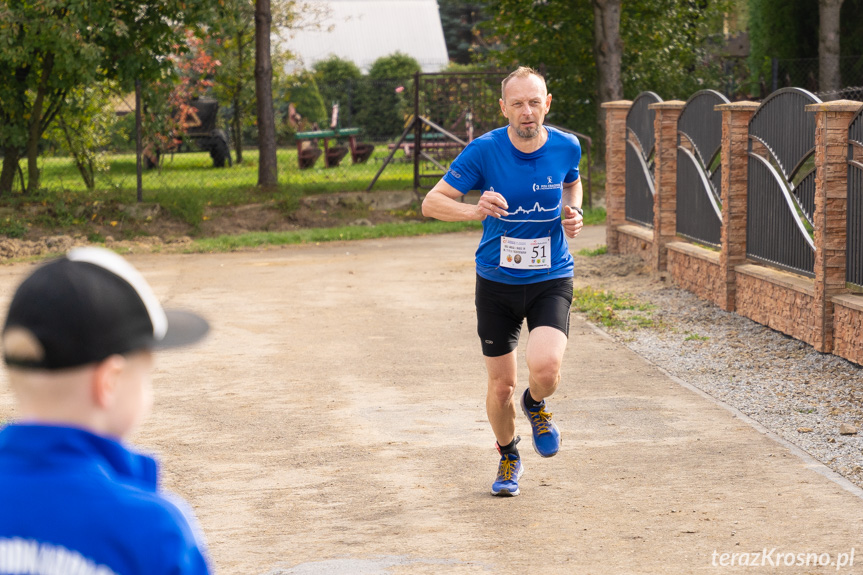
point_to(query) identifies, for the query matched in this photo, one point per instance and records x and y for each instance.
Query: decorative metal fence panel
(782, 182)
(854, 253)
(699, 146)
(640, 151)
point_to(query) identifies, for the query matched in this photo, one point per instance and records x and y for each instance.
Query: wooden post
(139, 143)
(418, 132)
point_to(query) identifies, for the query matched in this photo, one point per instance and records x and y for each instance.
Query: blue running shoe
(546, 435)
(508, 473)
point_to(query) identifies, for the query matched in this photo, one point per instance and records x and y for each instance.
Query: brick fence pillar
(615, 170)
(665, 179)
(831, 204)
(735, 173)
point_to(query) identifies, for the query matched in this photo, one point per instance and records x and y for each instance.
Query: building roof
(364, 30)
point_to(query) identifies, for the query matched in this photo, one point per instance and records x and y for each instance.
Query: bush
(122, 134)
(386, 96)
(339, 81)
(302, 90)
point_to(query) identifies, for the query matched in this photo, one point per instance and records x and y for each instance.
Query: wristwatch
(579, 210)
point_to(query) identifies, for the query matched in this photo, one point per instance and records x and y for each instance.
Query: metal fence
(849, 93)
(781, 196)
(335, 137)
(640, 151)
(804, 73)
(854, 254)
(450, 110)
(699, 169)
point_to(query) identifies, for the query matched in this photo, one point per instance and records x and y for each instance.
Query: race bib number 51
(525, 254)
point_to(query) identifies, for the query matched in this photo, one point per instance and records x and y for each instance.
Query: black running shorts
(501, 309)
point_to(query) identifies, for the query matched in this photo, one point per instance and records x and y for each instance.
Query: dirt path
(334, 422)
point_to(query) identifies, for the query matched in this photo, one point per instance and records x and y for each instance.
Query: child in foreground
(78, 344)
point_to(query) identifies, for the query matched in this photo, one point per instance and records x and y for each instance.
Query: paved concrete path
(335, 423)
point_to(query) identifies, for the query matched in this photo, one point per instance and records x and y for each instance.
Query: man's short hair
(520, 72)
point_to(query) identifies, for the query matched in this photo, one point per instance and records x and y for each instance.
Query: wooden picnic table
(307, 155)
(430, 141)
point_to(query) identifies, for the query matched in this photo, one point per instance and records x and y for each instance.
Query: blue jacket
(75, 502)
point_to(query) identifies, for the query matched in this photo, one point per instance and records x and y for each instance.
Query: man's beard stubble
(528, 133)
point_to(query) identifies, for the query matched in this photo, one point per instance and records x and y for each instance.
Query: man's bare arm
(572, 194)
(442, 203)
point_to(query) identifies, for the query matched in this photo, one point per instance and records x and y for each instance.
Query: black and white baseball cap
(85, 307)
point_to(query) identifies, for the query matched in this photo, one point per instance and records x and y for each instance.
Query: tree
(339, 82)
(608, 52)
(169, 101)
(83, 128)
(829, 74)
(233, 44)
(48, 49)
(671, 46)
(267, 162)
(565, 53)
(385, 105)
(789, 30)
(461, 22)
(785, 30)
(301, 89)
(851, 22)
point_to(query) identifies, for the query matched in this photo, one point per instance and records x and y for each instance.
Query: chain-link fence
(365, 134)
(803, 73)
(850, 93)
(94, 149)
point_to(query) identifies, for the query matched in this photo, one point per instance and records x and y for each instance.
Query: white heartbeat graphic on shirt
(535, 209)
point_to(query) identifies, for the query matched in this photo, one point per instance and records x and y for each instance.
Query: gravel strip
(785, 385)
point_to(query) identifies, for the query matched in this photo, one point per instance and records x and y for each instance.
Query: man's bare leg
(499, 404)
(545, 347)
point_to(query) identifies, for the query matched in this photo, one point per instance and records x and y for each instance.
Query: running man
(530, 202)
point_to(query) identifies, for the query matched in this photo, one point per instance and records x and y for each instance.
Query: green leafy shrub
(340, 81)
(385, 101)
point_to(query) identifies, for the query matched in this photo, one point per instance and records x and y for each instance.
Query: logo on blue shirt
(549, 186)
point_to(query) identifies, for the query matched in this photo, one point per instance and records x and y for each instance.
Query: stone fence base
(848, 327)
(637, 240)
(696, 269)
(780, 300)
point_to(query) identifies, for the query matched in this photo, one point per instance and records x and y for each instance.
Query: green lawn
(187, 184)
(315, 235)
(194, 172)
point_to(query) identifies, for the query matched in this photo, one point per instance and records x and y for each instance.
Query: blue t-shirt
(532, 185)
(75, 502)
